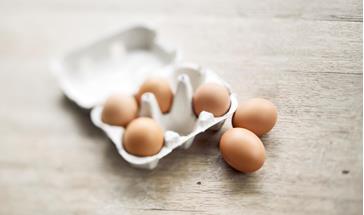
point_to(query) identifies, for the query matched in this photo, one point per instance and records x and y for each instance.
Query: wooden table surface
(305, 56)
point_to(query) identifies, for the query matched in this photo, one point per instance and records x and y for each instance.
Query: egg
(161, 89)
(119, 109)
(257, 115)
(242, 150)
(143, 137)
(211, 97)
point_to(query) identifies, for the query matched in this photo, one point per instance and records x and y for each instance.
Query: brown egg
(161, 89)
(119, 109)
(257, 115)
(242, 150)
(143, 137)
(211, 97)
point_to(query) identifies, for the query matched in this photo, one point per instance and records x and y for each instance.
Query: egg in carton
(120, 63)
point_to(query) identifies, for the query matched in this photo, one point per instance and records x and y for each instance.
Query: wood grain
(305, 57)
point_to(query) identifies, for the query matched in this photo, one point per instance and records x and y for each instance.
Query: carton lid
(119, 62)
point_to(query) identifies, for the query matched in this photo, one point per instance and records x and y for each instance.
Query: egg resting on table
(257, 115)
(242, 150)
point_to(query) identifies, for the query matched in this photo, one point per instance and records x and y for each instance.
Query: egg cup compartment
(90, 73)
(180, 123)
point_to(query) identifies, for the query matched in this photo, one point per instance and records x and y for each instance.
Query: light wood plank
(305, 57)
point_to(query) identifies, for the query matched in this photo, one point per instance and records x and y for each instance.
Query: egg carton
(120, 63)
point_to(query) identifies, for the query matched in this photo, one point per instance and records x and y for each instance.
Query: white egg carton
(120, 63)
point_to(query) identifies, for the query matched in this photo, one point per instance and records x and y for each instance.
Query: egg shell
(161, 88)
(143, 137)
(119, 109)
(242, 150)
(257, 115)
(211, 97)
